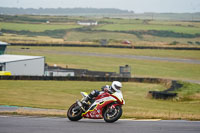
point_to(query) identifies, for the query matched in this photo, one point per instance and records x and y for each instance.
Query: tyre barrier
(166, 94)
(162, 95)
(86, 78)
(172, 85)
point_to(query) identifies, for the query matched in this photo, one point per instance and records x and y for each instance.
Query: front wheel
(112, 114)
(74, 113)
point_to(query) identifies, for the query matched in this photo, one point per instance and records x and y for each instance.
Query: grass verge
(61, 94)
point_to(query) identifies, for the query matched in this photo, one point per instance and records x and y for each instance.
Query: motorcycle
(107, 106)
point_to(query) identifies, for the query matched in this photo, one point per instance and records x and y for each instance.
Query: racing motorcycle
(107, 106)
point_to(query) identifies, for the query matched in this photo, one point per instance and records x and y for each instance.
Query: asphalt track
(17, 124)
(137, 57)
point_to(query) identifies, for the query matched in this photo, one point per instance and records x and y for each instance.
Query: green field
(61, 94)
(35, 27)
(139, 68)
(115, 30)
(87, 36)
(138, 27)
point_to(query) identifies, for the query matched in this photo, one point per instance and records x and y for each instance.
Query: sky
(138, 6)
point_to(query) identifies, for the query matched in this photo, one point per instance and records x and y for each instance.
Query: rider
(115, 87)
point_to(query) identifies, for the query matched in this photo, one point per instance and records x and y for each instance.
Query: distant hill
(61, 11)
(103, 12)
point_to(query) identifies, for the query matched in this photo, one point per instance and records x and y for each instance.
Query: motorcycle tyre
(75, 118)
(117, 116)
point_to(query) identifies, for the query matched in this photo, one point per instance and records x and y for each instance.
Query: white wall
(63, 74)
(33, 67)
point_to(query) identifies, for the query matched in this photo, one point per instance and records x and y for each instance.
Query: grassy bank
(61, 94)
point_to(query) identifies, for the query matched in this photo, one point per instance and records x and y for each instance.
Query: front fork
(112, 110)
(80, 105)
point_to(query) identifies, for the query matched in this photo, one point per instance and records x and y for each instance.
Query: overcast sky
(138, 6)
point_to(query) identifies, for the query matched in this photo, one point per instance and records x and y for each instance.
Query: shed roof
(11, 58)
(3, 43)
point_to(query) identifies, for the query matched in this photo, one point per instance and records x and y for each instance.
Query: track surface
(16, 124)
(137, 57)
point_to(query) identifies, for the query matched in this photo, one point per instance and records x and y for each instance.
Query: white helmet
(116, 86)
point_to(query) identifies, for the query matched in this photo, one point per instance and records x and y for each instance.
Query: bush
(198, 43)
(52, 33)
(174, 43)
(189, 42)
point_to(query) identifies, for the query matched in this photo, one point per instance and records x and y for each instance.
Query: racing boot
(86, 100)
(90, 97)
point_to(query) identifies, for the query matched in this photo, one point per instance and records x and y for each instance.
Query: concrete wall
(32, 67)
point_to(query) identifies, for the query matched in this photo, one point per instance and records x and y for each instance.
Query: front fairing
(119, 97)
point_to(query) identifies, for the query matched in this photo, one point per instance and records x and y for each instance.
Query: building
(125, 71)
(59, 71)
(87, 23)
(3, 46)
(22, 65)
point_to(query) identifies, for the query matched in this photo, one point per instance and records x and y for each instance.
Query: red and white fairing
(104, 99)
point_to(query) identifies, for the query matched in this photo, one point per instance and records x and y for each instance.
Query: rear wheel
(74, 113)
(112, 114)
